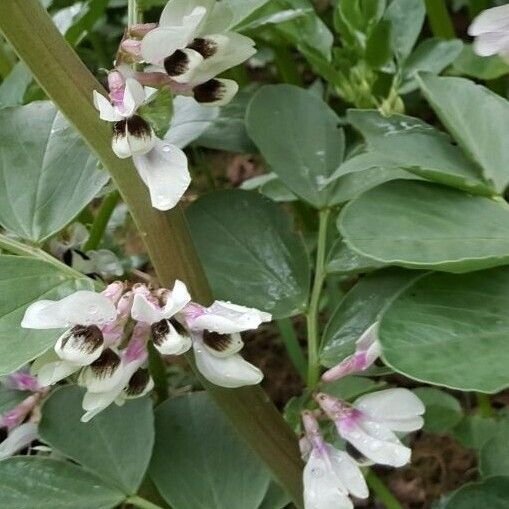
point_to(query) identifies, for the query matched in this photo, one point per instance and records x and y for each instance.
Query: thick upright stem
(314, 302)
(69, 84)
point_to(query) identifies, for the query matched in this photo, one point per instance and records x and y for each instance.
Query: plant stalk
(101, 221)
(381, 491)
(314, 302)
(484, 405)
(69, 84)
(439, 19)
(292, 346)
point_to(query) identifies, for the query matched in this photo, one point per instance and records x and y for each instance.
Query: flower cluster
(184, 53)
(21, 422)
(106, 339)
(370, 425)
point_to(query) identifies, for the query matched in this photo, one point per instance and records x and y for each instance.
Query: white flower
(161, 165)
(229, 371)
(126, 379)
(193, 46)
(491, 32)
(225, 318)
(330, 476)
(369, 424)
(168, 335)
(367, 351)
(82, 314)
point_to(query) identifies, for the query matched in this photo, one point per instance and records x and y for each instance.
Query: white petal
(226, 318)
(83, 307)
(134, 95)
(185, 12)
(80, 345)
(106, 110)
(173, 343)
(144, 311)
(347, 469)
(219, 19)
(368, 338)
(177, 300)
(140, 145)
(233, 49)
(164, 41)
(404, 425)
(164, 171)
(376, 442)
(104, 374)
(190, 120)
(52, 372)
(394, 403)
(491, 43)
(231, 372)
(18, 439)
(105, 262)
(490, 20)
(216, 92)
(120, 145)
(322, 487)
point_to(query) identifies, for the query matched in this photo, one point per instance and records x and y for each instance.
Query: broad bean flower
(371, 422)
(330, 475)
(491, 32)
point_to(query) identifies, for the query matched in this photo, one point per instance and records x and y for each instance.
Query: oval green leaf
(451, 330)
(116, 444)
(423, 225)
(250, 253)
(493, 493)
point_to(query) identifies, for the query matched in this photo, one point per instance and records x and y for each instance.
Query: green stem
(381, 491)
(142, 503)
(6, 63)
(314, 302)
(484, 404)
(101, 220)
(134, 14)
(285, 64)
(67, 81)
(477, 6)
(157, 369)
(292, 345)
(439, 19)
(18, 248)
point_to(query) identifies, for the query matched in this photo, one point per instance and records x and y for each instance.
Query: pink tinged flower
(224, 317)
(330, 476)
(119, 378)
(18, 439)
(114, 291)
(19, 413)
(168, 335)
(367, 351)
(369, 424)
(491, 32)
(22, 381)
(219, 363)
(82, 313)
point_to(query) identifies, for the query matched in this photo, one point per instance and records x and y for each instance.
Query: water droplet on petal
(166, 148)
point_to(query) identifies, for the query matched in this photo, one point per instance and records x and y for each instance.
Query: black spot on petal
(86, 338)
(210, 91)
(218, 342)
(138, 383)
(106, 364)
(205, 47)
(159, 331)
(177, 63)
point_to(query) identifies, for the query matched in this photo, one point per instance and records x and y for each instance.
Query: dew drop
(317, 472)
(166, 148)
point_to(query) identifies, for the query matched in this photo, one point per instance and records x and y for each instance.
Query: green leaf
(474, 431)
(351, 387)
(13, 88)
(275, 498)
(378, 46)
(158, 111)
(405, 142)
(116, 445)
(28, 482)
(250, 253)
(492, 493)
(407, 18)
(23, 281)
(300, 137)
(443, 411)
(426, 226)
(451, 330)
(494, 454)
(475, 66)
(242, 9)
(48, 172)
(85, 20)
(358, 309)
(432, 55)
(200, 462)
(457, 99)
(343, 260)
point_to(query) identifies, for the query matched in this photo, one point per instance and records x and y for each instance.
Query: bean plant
(153, 300)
